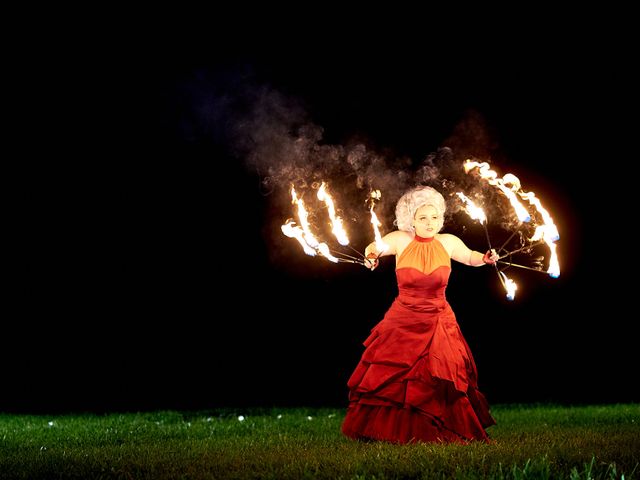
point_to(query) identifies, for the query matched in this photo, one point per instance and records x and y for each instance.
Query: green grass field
(540, 441)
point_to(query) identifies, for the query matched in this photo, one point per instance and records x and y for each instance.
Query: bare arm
(463, 254)
(395, 241)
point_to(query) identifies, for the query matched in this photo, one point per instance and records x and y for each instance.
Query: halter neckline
(423, 239)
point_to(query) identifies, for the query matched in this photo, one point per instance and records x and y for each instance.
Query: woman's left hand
(491, 257)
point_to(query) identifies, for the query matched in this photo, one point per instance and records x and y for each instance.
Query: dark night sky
(123, 306)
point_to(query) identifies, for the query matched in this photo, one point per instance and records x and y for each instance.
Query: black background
(155, 274)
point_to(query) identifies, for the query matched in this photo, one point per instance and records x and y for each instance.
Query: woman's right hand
(371, 261)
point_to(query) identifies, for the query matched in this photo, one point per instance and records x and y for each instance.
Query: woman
(417, 380)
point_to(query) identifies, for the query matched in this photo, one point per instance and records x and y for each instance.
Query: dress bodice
(422, 271)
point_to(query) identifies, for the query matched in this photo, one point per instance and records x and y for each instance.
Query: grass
(535, 441)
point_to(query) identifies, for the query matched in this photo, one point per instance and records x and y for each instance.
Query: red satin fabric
(417, 380)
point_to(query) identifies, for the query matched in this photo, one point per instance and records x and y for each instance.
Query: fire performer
(417, 380)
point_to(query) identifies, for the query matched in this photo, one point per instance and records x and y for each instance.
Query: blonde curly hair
(412, 200)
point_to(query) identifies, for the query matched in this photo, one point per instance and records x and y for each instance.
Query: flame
(310, 244)
(547, 231)
(381, 247)
(296, 232)
(311, 240)
(336, 222)
(501, 183)
(323, 248)
(302, 232)
(509, 285)
(475, 212)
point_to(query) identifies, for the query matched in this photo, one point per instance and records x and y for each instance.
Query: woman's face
(427, 221)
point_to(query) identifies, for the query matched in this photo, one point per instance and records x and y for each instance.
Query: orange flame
(302, 233)
(336, 222)
(475, 212)
(381, 247)
(501, 183)
(311, 240)
(547, 231)
(294, 231)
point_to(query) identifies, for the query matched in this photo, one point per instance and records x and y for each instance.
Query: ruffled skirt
(416, 381)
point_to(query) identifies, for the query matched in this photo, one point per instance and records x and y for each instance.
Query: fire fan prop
(532, 217)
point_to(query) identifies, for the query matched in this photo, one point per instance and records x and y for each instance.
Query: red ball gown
(417, 380)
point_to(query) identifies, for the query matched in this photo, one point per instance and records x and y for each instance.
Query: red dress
(417, 380)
